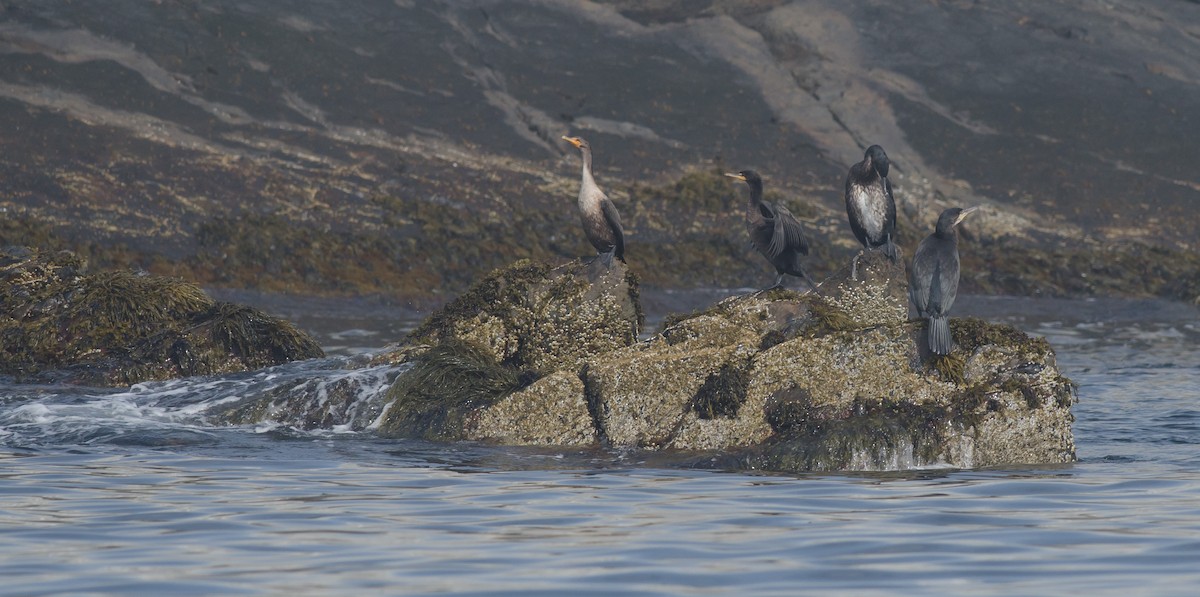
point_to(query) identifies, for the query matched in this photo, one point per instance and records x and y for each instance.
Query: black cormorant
(870, 205)
(933, 278)
(600, 220)
(774, 231)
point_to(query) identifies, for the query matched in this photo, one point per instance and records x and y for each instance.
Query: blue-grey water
(131, 492)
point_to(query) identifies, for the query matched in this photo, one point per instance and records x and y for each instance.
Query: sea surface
(131, 492)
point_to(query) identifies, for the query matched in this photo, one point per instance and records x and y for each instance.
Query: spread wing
(787, 233)
(614, 222)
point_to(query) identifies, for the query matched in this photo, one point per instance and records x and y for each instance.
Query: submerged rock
(58, 322)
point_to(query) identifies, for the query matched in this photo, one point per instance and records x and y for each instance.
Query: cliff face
(406, 148)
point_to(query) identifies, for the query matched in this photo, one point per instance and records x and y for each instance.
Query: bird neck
(867, 175)
(948, 234)
(587, 168)
(756, 194)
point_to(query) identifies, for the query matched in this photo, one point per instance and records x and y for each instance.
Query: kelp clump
(444, 385)
(120, 327)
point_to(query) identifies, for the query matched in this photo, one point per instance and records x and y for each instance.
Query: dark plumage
(774, 231)
(601, 223)
(933, 278)
(870, 205)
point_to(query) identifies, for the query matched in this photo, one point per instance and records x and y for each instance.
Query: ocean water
(132, 492)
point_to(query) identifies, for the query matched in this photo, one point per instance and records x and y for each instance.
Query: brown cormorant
(600, 220)
(933, 278)
(870, 205)
(774, 231)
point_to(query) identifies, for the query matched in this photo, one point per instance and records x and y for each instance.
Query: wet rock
(517, 325)
(874, 291)
(336, 396)
(530, 316)
(643, 395)
(58, 322)
(551, 411)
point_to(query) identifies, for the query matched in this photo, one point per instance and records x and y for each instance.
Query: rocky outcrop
(519, 324)
(530, 316)
(58, 322)
(826, 380)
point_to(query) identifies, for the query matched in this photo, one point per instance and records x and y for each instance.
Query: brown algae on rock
(445, 385)
(117, 327)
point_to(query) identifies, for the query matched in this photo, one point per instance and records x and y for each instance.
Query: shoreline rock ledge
(778, 380)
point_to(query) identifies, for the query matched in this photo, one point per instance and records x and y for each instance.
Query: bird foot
(605, 259)
(763, 291)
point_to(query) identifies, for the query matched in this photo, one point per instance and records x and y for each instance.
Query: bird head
(953, 217)
(749, 176)
(876, 158)
(577, 142)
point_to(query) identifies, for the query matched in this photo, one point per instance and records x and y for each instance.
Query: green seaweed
(971, 332)
(863, 433)
(950, 367)
(444, 385)
(825, 318)
(723, 392)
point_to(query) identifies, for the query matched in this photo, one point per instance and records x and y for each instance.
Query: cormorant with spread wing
(774, 231)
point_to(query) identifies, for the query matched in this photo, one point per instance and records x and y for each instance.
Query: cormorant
(933, 278)
(774, 231)
(600, 220)
(870, 205)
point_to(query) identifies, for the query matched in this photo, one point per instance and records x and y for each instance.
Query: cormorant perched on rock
(933, 278)
(774, 231)
(870, 204)
(600, 220)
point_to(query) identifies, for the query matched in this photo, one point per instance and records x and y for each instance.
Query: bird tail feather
(939, 336)
(889, 249)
